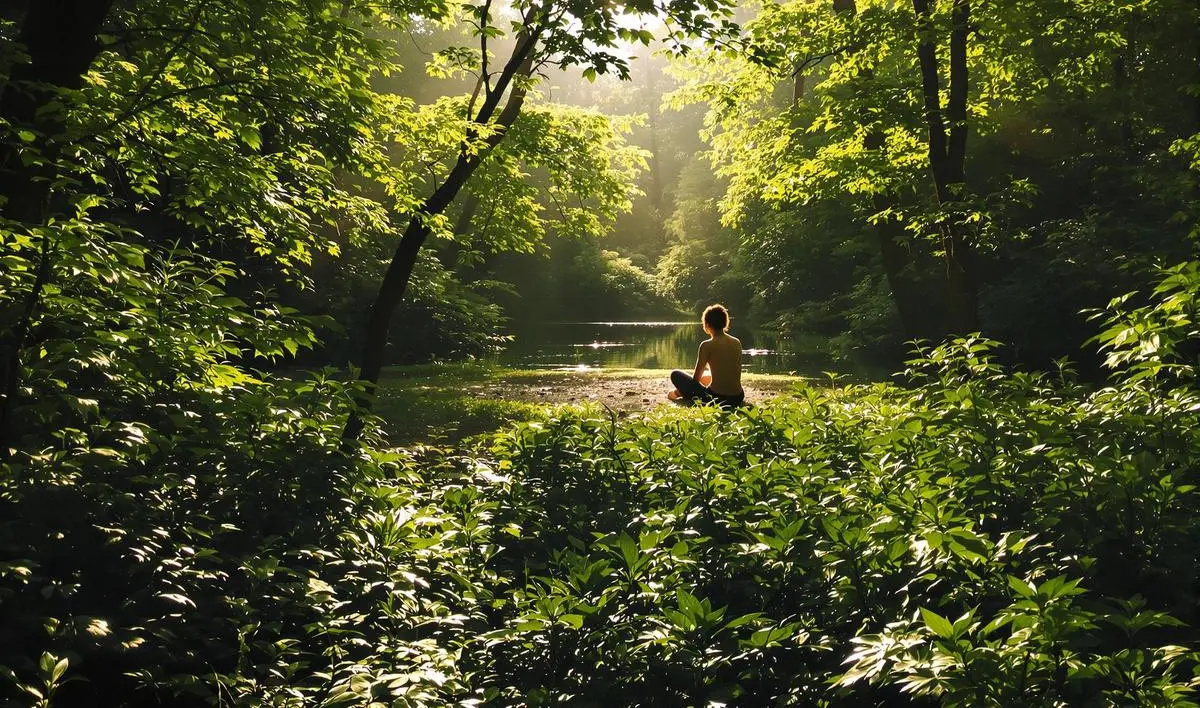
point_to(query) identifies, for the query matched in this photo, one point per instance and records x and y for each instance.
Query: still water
(648, 345)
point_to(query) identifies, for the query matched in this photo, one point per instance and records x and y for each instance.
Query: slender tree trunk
(963, 308)
(462, 225)
(947, 157)
(657, 184)
(59, 37)
(896, 259)
(799, 81)
(1196, 64)
(890, 233)
(395, 280)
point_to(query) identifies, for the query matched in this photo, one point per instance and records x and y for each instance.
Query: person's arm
(701, 360)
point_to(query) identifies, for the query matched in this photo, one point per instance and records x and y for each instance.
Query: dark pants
(691, 388)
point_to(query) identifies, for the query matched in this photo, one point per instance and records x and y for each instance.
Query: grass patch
(450, 402)
(443, 402)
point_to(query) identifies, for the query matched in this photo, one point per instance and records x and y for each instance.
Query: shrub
(976, 536)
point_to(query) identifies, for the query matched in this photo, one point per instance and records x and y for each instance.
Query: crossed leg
(688, 387)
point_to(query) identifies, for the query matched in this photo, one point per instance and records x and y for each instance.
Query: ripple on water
(651, 344)
(602, 345)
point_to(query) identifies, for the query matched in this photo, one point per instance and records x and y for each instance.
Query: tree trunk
(451, 255)
(947, 157)
(395, 280)
(893, 255)
(1124, 67)
(462, 225)
(60, 39)
(1196, 64)
(657, 191)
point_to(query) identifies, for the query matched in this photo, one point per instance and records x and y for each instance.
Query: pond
(583, 346)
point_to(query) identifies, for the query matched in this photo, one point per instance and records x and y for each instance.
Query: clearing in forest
(449, 402)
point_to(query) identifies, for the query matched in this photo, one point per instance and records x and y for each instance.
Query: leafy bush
(983, 537)
(975, 537)
(581, 281)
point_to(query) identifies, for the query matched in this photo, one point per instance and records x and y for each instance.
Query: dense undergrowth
(972, 537)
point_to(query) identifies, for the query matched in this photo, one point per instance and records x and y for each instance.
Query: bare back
(723, 356)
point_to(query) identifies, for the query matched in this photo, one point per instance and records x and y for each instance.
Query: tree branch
(18, 337)
(485, 21)
(162, 99)
(172, 52)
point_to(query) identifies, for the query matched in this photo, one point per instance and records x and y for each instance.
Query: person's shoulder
(736, 341)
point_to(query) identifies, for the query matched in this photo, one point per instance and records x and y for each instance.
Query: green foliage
(698, 268)
(581, 279)
(274, 144)
(164, 499)
(179, 526)
(560, 174)
(181, 121)
(859, 544)
(977, 537)
(560, 170)
(1155, 341)
(446, 403)
(442, 318)
(1079, 122)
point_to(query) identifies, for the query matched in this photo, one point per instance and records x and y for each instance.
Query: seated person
(721, 355)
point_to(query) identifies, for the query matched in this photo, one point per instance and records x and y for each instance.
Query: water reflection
(649, 345)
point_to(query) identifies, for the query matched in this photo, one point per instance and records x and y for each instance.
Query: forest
(265, 439)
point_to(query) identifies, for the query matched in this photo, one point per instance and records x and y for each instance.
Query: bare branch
(485, 20)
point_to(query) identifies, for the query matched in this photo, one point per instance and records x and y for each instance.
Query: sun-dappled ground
(449, 402)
